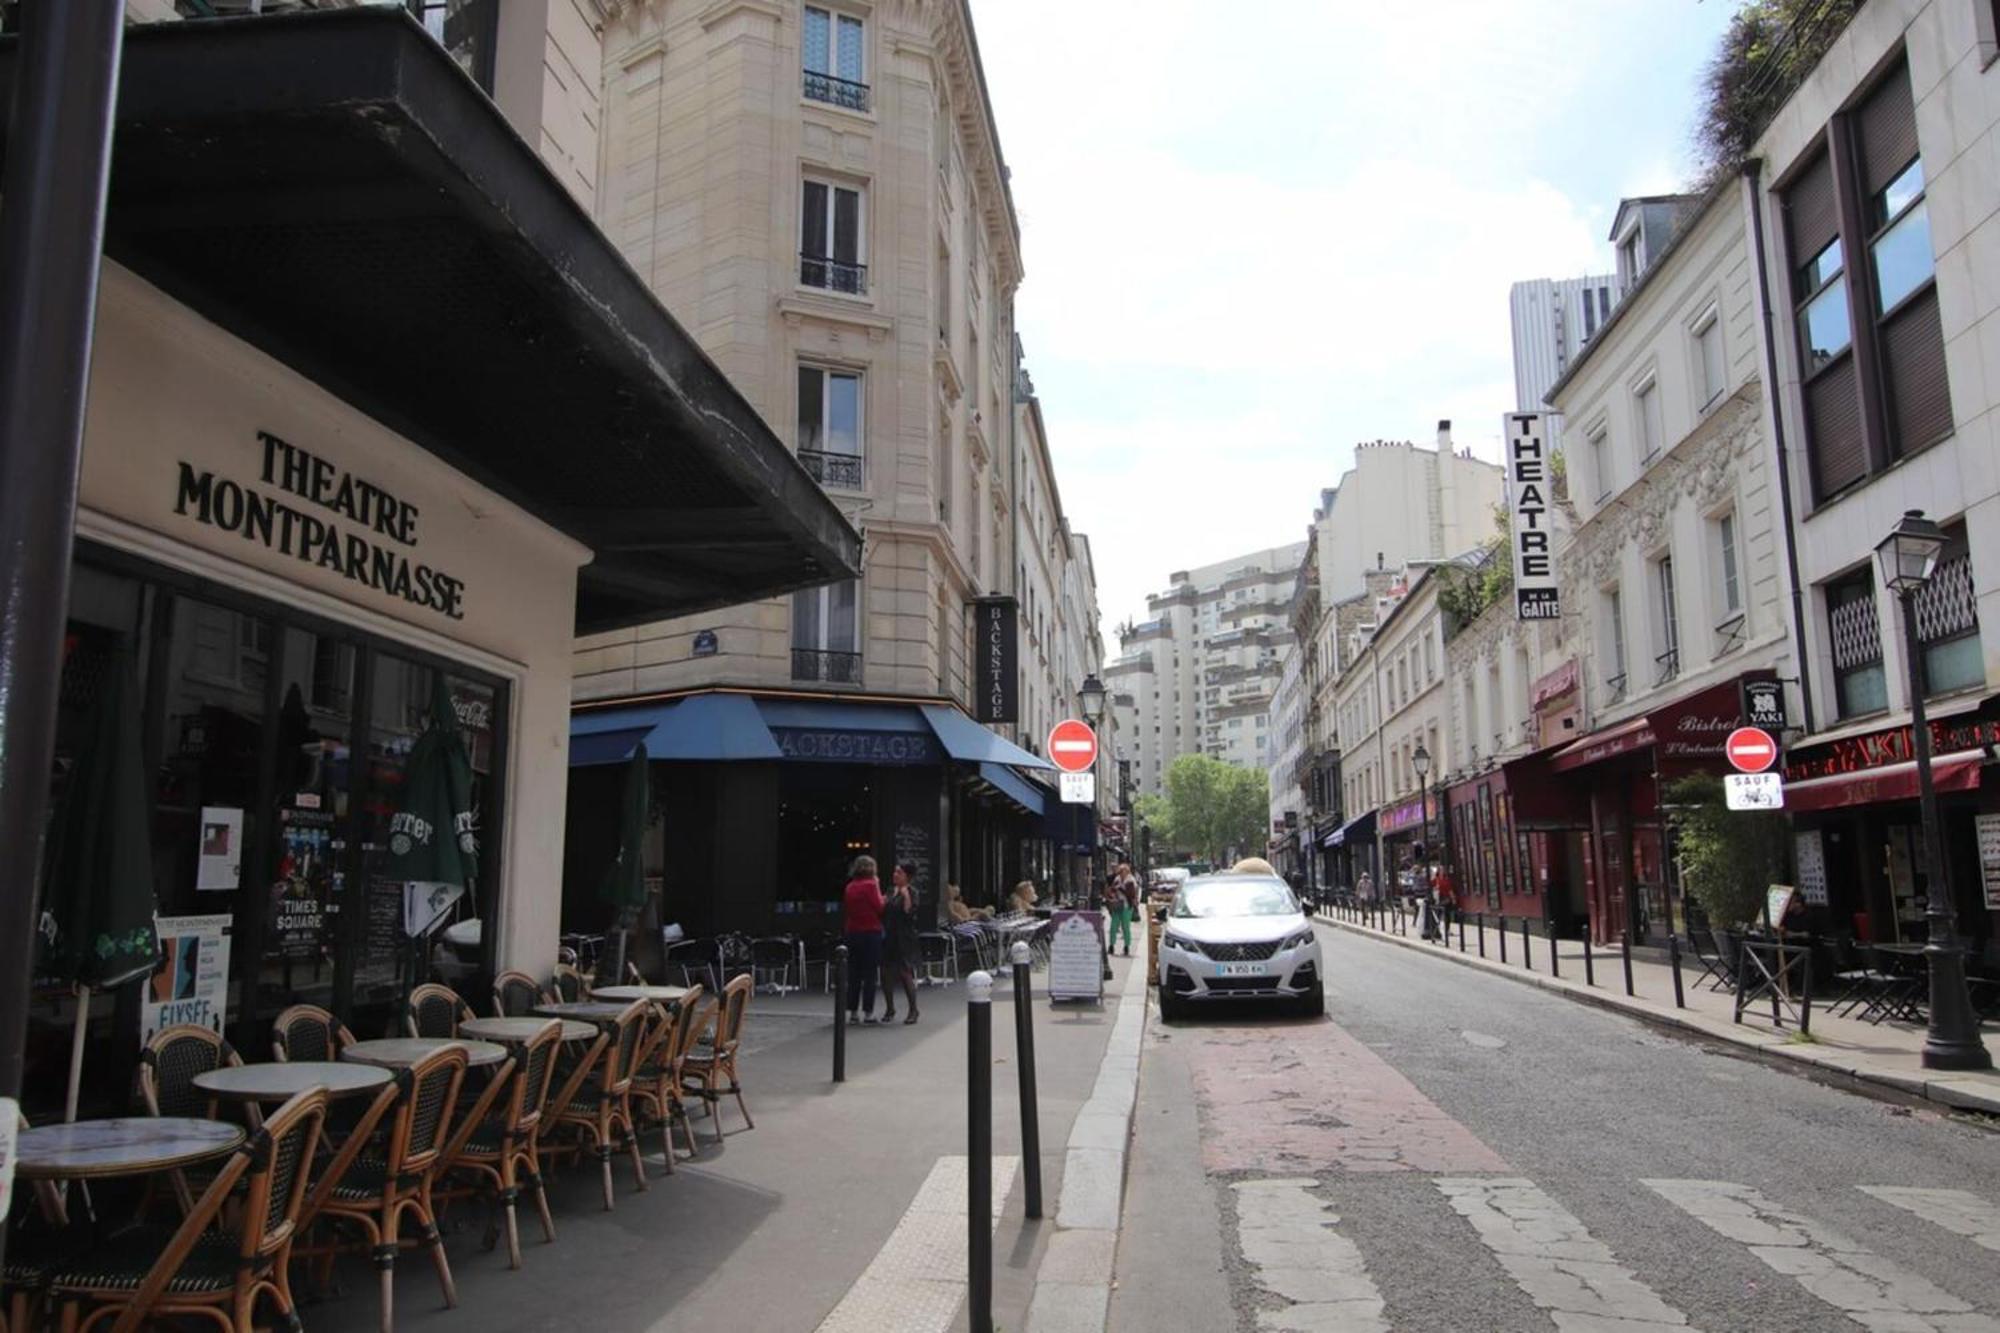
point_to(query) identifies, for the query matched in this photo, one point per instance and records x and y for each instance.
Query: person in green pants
(1124, 903)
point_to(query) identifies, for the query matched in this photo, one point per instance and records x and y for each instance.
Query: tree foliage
(1465, 590)
(1728, 858)
(1770, 47)
(1209, 808)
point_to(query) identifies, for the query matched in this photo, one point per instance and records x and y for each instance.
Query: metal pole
(979, 1147)
(1555, 954)
(1952, 1041)
(51, 248)
(1674, 956)
(1460, 914)
(1589, 965)
(1479, 922)
(840, 1013)
(1527, 949)
(1625, 952)
(1502, 932)
(1024, 1056)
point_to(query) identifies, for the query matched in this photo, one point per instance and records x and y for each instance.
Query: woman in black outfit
(899, 942)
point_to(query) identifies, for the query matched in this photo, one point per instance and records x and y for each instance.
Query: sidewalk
(1884, 1056)
(775, 1226)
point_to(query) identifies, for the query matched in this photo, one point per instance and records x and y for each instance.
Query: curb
(1958, 1094)
(1073, 1283)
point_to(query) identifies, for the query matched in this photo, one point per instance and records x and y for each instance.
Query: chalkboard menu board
(913, 848)
(384, 928)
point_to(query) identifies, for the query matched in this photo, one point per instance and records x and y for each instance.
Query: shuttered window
(1902, 366)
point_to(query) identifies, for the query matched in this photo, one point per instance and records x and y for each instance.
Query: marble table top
(396, 1052)
(523, 1029)
(124, 1147)
(280, 1080)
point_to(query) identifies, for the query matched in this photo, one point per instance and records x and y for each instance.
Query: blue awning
(1012, 785)
(1360, 829)
(699, 727)
(1073, 825)
(840, 731)
(967, 741)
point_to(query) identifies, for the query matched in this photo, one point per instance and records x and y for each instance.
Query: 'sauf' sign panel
(1529, 508)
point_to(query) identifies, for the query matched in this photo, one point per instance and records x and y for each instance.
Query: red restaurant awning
(1889, 782)
(1634, 734)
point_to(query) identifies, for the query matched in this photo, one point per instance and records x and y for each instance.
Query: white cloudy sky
(1257, 233)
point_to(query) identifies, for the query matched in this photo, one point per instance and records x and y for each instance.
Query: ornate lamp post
(1090, 707)
(1908, 557)
(1421, 762)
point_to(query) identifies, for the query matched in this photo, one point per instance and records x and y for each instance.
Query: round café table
(523, 1029)
(398, 1052)
(282, 1080)
(584, 1011)
(627, 994)
(135, 1146)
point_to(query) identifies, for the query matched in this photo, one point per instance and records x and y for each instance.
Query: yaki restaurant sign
(1857, 754)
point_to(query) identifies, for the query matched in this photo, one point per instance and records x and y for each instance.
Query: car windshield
(1256, 897)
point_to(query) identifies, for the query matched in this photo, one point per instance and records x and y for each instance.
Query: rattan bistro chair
(144, 1274)
(516, 994)
(308, 1032)
(595, 1106)
(657, 1084)
(502, 1147)
(377, 1189)
(432, 1010)
(711, 1068)
(167, 1069)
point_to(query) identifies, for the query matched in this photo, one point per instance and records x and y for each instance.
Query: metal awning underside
(333, 189)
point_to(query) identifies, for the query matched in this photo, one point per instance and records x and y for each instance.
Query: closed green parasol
(624, 882)
(97, 884)
(434, 834)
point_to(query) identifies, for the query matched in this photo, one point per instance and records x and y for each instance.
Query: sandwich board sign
(1076, 956)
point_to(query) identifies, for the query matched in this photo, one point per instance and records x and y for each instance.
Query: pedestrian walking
(1446, 889)
(899, 943)
(861, 922)
(1124, 905)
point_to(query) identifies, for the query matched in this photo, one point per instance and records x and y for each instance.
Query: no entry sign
(1072, 746)
(1751, 749)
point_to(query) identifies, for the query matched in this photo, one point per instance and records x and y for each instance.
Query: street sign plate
(1751, 749)
(1079, 788)
(1754, 791)
(1072, 746)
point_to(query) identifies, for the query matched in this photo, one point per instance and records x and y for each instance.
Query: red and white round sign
(1072, 746)
(1751, 749)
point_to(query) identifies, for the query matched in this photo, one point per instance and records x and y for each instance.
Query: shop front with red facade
(1517, 840)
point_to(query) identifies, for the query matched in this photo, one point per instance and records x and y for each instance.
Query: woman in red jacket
(861, 921)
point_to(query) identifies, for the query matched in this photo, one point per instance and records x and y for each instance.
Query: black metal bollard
(979, 1147)
(840, 1013)
(1589, 966)
(1555, 954)
(1625, 951)
(1674, 954)
(1503, 937)
(1024, 1057)
(1527, 950)
(1460, 914)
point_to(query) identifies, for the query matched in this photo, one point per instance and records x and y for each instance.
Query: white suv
(1238, 937)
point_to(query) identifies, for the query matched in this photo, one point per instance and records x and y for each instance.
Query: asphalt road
(1451, 1151)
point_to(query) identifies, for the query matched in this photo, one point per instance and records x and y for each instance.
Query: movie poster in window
(1504, 839)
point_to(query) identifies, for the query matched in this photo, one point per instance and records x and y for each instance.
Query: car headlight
(1298, 941)
(1173, 941)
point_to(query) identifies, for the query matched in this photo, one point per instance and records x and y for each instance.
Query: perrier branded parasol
(434, 834)
(97, 886)
(624, 882)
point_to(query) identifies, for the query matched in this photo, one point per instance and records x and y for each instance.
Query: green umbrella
(434, 834)
(624, 882)
(97, 897)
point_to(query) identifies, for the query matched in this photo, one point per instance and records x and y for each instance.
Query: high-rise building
(1552, 320)
(1198, 674)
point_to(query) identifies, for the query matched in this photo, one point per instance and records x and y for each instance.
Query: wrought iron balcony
(1614, 688)
(842, 470)
(843, 93)
(822, 665)
(833, 275)
(1666, 666)
(1729, 634)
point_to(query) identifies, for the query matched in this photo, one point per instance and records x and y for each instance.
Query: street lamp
(1908, 557)
(1420, 763)
(1090, 699)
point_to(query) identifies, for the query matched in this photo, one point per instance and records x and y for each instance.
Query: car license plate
(1241, 969)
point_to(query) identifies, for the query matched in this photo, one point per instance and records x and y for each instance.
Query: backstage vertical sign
(1529, 484)
(996, 650)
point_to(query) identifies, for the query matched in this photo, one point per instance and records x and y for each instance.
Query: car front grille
(1254, 985)
(1255, 952)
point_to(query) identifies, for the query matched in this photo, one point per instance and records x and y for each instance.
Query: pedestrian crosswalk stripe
(1556, 1262)
(1872, 1291)
(1286, 1237)
(1956, 1211)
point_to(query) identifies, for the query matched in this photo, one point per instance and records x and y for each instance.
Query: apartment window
(1948, 622)
(1614, 645)
(943, 280)
(1856, 635)
(1666, 622)
(1589, 316)
(830, 238)
(468, 29)
(1646, 415)
(1728, 585)
(825, 644)
(829, 439)
(835, 61)
(1600, 462)
(1868, 400)
(1628, 260)
(1708, 356)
